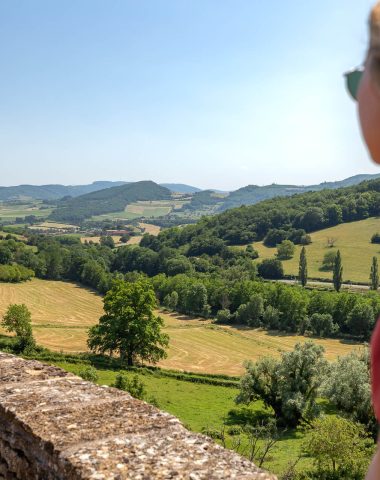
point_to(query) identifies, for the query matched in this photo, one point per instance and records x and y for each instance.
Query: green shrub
(223, 316)
(340, 448)
(375, 238)
(133, 386)
(15, 273)
(89, 373)
(285, 250)
(328, 261)
(271, 268)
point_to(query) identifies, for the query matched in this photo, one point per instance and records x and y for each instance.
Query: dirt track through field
(62, 313)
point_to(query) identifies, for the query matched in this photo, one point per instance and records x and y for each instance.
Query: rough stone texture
(54, 425)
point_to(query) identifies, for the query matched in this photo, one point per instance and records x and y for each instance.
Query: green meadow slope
(352, 239)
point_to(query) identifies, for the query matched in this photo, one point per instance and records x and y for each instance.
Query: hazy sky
(214, 93)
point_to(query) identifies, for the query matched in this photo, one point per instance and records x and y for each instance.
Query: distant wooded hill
(243, 196)
(109, 200)
(56, 192)
(112, 197)
(180, 188)
(253, 194)
(52, 192)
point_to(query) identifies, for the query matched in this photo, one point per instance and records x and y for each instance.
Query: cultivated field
(134, 240)
(154, 208)
(147, 228)
(62, 313)
(151, 229)
(10, 212)
(123, 215)
(96, 239)
(4, 234)
(54, 226)
(150, 209)
(352, 239)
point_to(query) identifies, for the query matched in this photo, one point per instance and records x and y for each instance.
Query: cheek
(369, 113)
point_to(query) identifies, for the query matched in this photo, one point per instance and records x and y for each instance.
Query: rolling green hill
(109, 200)
(298, 214)
(352, 239)
(205, 198)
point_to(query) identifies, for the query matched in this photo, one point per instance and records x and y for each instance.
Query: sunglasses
(353, 79)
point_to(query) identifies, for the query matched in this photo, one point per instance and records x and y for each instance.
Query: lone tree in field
(328, 261)
(285, 250)
(302, 271)
(17, 319)
(374, 277)
(129, 325)
(338, 272)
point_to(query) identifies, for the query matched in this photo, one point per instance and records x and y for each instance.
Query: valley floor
(62, 312)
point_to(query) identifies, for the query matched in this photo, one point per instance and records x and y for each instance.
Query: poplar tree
(302, 271)
(374, 277)
(338, 272)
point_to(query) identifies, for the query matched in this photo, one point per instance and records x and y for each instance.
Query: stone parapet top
(56, 426)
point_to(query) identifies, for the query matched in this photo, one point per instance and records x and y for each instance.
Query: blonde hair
(374, 46)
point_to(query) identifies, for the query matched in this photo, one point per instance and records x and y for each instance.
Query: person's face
(369, 113)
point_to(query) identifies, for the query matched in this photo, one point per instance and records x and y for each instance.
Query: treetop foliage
(289, 385)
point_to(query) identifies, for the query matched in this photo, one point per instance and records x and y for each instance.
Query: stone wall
(54, 425)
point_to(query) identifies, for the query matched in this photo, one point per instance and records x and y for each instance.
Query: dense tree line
(272, 305)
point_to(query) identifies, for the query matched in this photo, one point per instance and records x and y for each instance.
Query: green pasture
(123, 215)
(352, 239)
(10, 212)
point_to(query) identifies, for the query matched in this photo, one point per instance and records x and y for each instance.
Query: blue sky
(215, 93)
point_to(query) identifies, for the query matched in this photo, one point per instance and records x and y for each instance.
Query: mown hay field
(62, 312)
(149, 228)
(352, 239)
(148, 211)
(54, 225)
